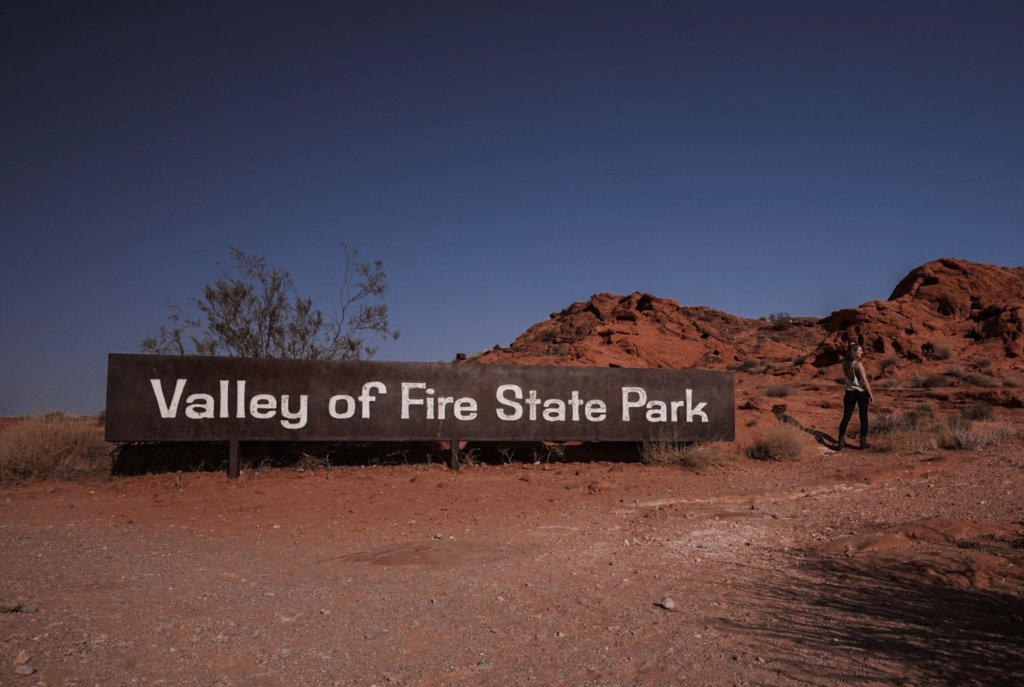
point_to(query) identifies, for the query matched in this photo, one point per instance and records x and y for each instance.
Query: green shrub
(54, 446)
(781, 442)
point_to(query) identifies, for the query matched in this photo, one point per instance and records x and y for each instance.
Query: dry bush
(981, 380)
(960, 433)
(979, 410)
(54, 446)
(910, 440)
(693, 456)
(778, 391)
(930, 382)
(780, 442)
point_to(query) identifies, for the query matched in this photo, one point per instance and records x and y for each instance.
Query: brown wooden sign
(193, 398)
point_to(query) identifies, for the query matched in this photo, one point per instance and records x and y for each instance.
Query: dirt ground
(860, 568)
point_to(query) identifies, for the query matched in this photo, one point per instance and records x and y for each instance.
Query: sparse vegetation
(693, 456)
(979, 410)
(778, 391)
(975, 379)
(253, 311)
(960, 433)
(54, 446)
(889, 362)
(954, 372)
(931, 381)
(940, 352)
(780, 442)
(918, 430)
(780, 321)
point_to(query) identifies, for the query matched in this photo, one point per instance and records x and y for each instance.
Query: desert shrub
(982, 363)
(689, 455)
(780, 321)
(980, 380)
(778, 391)
(888, 383)
(781, 442)
(889, 362)
(930, 382)
(919, 418)
(959, 433)
(910, 440)
(1013, 383)
(954, 372)
(979, 410)
(54, 446)
(940, 353)
(752, 367)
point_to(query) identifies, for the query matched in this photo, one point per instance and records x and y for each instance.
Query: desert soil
(860, 568)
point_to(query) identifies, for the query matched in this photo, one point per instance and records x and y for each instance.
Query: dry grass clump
(778, 391)
(780, 442)
(55, 446)
(959, 433)
(919, 431)
(694, 456)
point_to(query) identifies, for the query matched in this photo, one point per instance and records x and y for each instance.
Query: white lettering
(366, 398)
(296, 420)
(407, 400)
(554, 410)
(168, 410)
(640, 402)
(692, 411)
(517, 408)
(595, 410)
(200, 407)
(350, 407)
(465, 408)
(263, 406)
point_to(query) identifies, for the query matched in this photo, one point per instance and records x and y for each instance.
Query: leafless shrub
(979, 410)
(669, 450)
(960, 433)
(930, 382)
(778, 391)
(55, 446)
(780, 442)
(980, 380)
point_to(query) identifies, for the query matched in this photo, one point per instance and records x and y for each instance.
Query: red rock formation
(945, 308)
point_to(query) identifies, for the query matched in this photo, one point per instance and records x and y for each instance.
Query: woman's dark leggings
(850, 399)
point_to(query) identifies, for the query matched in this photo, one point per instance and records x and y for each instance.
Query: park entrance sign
(196, 398)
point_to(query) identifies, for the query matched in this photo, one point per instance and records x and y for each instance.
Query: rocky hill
(951, 331)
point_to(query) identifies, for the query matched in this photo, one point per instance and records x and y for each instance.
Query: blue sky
(504, 159)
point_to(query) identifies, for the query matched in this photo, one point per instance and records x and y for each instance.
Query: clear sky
(504, 159)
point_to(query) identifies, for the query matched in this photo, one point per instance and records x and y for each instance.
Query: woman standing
(858, 393)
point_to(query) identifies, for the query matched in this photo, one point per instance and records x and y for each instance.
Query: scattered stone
(668, 603)
(22, 658)
(24, 669)
(9, 606)
(29, 608)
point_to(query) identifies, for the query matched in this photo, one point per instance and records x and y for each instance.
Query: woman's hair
(848, 359)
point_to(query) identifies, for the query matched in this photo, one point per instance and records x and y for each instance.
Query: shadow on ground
(838, 620)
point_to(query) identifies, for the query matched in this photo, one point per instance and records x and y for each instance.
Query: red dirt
(859, 568)
(862, 568)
